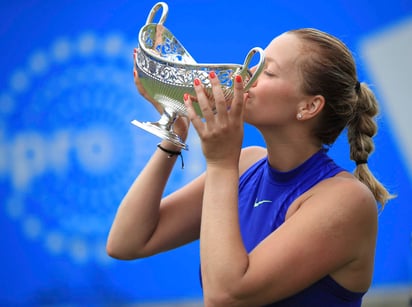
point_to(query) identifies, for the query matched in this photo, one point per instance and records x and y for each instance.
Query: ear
(311, 106)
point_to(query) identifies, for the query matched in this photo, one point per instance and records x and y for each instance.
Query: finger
(203, 100)
(191, 113)
(192, 98)
(218, 95)
(238, 97)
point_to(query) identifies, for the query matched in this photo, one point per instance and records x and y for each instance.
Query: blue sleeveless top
(265, 195)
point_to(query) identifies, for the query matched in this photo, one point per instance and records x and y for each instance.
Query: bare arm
(145, 224)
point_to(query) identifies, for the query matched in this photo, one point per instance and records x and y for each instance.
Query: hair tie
(361, 162)
(357, 87)
(171, 153)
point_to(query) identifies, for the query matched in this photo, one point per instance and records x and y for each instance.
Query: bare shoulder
(348, 194)
(249, 156)
(342, 203)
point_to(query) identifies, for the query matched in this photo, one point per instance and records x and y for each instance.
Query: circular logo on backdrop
(67, 149)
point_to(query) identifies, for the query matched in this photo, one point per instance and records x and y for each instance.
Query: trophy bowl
(166, 71)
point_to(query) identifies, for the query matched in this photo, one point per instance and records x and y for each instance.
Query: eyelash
(268, 73)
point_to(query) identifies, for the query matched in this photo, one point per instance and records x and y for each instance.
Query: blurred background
(68, 152)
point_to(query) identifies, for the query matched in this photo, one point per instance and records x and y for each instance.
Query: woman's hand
(221, 131)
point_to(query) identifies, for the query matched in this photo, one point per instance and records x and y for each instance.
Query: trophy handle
(259, 66)
(156, 7)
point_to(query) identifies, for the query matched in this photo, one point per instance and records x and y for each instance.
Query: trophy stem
(168, 118)
(163, 128)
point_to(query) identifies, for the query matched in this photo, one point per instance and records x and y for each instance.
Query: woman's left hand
(221, 131)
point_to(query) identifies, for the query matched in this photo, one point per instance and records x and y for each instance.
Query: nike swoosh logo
(258, 203)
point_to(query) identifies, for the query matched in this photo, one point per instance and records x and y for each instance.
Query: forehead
(284, 49)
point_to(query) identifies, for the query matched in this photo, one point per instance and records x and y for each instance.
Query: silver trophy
(166, 71)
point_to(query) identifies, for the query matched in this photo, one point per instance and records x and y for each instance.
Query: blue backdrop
(68, 152)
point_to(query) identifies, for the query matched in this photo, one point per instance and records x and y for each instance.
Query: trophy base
(160, 131)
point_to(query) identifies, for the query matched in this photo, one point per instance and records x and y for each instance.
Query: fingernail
(212, 74)
(197, 81)
(135, 50)
(238, 79)
(186, 96)
(134, 73)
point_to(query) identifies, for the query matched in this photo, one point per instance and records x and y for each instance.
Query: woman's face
(273, 99)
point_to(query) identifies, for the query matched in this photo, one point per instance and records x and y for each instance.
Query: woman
(282, 225)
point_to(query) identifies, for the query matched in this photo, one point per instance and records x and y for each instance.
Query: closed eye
(269, 73)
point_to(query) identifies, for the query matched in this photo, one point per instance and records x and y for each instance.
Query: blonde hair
(327, 68)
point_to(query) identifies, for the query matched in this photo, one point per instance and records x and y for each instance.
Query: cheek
(273, 102)
(279, 94)
(285, 90)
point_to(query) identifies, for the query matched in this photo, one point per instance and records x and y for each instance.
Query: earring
(299, 116)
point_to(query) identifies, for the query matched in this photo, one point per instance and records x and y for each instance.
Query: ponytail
(361, 129)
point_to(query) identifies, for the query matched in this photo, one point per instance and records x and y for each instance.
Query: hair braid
(361, 129)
